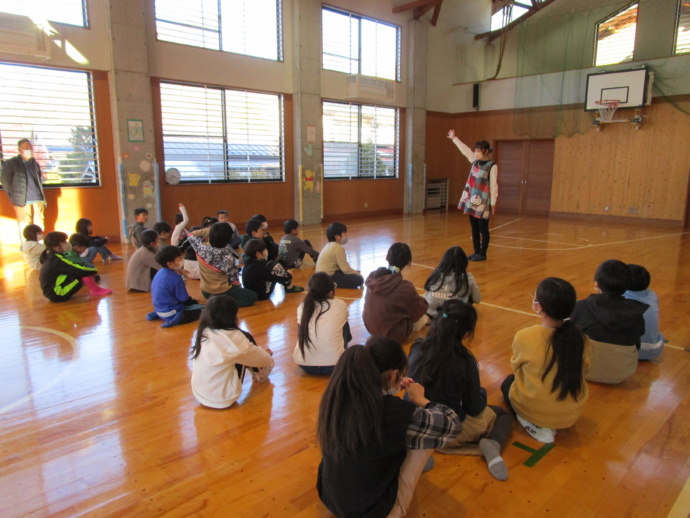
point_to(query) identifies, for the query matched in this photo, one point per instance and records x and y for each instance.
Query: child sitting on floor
(142, 266)
(333, 260)
(652, 341)
(449, 372)
(171, 302)
(141, 216)
(224, 217)
(61, 278)
(220, 354)
(96, 243)
(323, 331)
(392, 306)
(31, 247)
(164, 232)
(292, 249)
(613, 324)
(261, 276)
(548, 390)
(451, 280)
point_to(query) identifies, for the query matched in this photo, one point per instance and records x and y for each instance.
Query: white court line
(675, 347)
(542, 241)
(504, 224)
(581, 247)
(509, 309)
(422, 266)
(58, 378)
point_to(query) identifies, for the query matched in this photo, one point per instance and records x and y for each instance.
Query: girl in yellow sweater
(548, 390)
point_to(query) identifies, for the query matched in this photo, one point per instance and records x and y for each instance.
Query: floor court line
(75, 348)
(504, 224)
(581, 247)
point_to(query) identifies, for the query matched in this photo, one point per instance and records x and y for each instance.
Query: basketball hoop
(608, 108)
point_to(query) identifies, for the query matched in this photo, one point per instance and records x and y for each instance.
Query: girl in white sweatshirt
(221, 353)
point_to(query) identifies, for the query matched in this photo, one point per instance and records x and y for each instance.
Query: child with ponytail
(548, 390)
(375, 445)
(392, 306)
(323, 331)
(450, 374)
(61, 278)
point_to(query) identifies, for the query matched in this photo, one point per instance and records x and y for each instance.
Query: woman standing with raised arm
(480, 193)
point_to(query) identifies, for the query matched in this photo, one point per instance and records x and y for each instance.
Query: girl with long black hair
(451, 280)
(450, 374)
(221, 352)
(323, 331)
(375, 445)
(548, 390)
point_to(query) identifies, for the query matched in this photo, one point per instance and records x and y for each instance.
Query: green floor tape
(537, 455)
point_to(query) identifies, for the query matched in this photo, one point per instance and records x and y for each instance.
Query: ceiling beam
(492, 35)
(437, 10)
(412, 5)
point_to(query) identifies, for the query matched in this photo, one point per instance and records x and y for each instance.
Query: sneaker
(294, 289)
(114, 257)
(545, 435)
(477, 257)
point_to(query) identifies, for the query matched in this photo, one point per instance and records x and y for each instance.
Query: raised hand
(451, 134)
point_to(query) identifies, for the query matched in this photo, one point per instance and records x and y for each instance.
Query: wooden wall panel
(639, 174)
(67, 205)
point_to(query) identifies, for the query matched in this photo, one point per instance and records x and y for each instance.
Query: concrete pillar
(415, 118)
(130, 90)
(308, 124)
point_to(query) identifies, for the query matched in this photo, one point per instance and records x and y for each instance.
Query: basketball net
(607, 109)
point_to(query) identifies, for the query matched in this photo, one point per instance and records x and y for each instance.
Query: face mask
(343, 240)
(27, 154)
(264, 225)
(66, 247)
(534, 303)
(391, 391)
(179, 265)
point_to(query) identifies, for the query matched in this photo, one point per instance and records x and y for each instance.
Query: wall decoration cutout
(134, 179)
(145, 165)
(148, 188)
(135, 130)
(308, 181)
(136, 147)
(125, 156)
(309, 150)
(311, 134)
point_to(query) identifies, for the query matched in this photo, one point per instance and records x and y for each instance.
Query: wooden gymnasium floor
(97, 417)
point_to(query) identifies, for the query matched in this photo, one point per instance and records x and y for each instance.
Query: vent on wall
(20, 35)
(367, 88)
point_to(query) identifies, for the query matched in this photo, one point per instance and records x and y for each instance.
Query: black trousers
(480, 234)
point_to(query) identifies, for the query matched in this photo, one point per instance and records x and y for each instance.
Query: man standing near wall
(21, 180)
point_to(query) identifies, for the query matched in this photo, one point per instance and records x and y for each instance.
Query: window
(249, 27)
(357, 45)
(683, 34)
(360, 141)
(616, 37)
(214, 134)
(53, 108)
(72, 12)
(506, 15)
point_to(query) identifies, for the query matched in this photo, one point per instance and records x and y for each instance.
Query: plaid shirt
(432, 427)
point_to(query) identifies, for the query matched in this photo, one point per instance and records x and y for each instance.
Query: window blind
(358, 45)
(214, 134)
(249, 27)
(360, 141)
(616, 37)
(683, 31)
(72, 12)
(54, 109)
